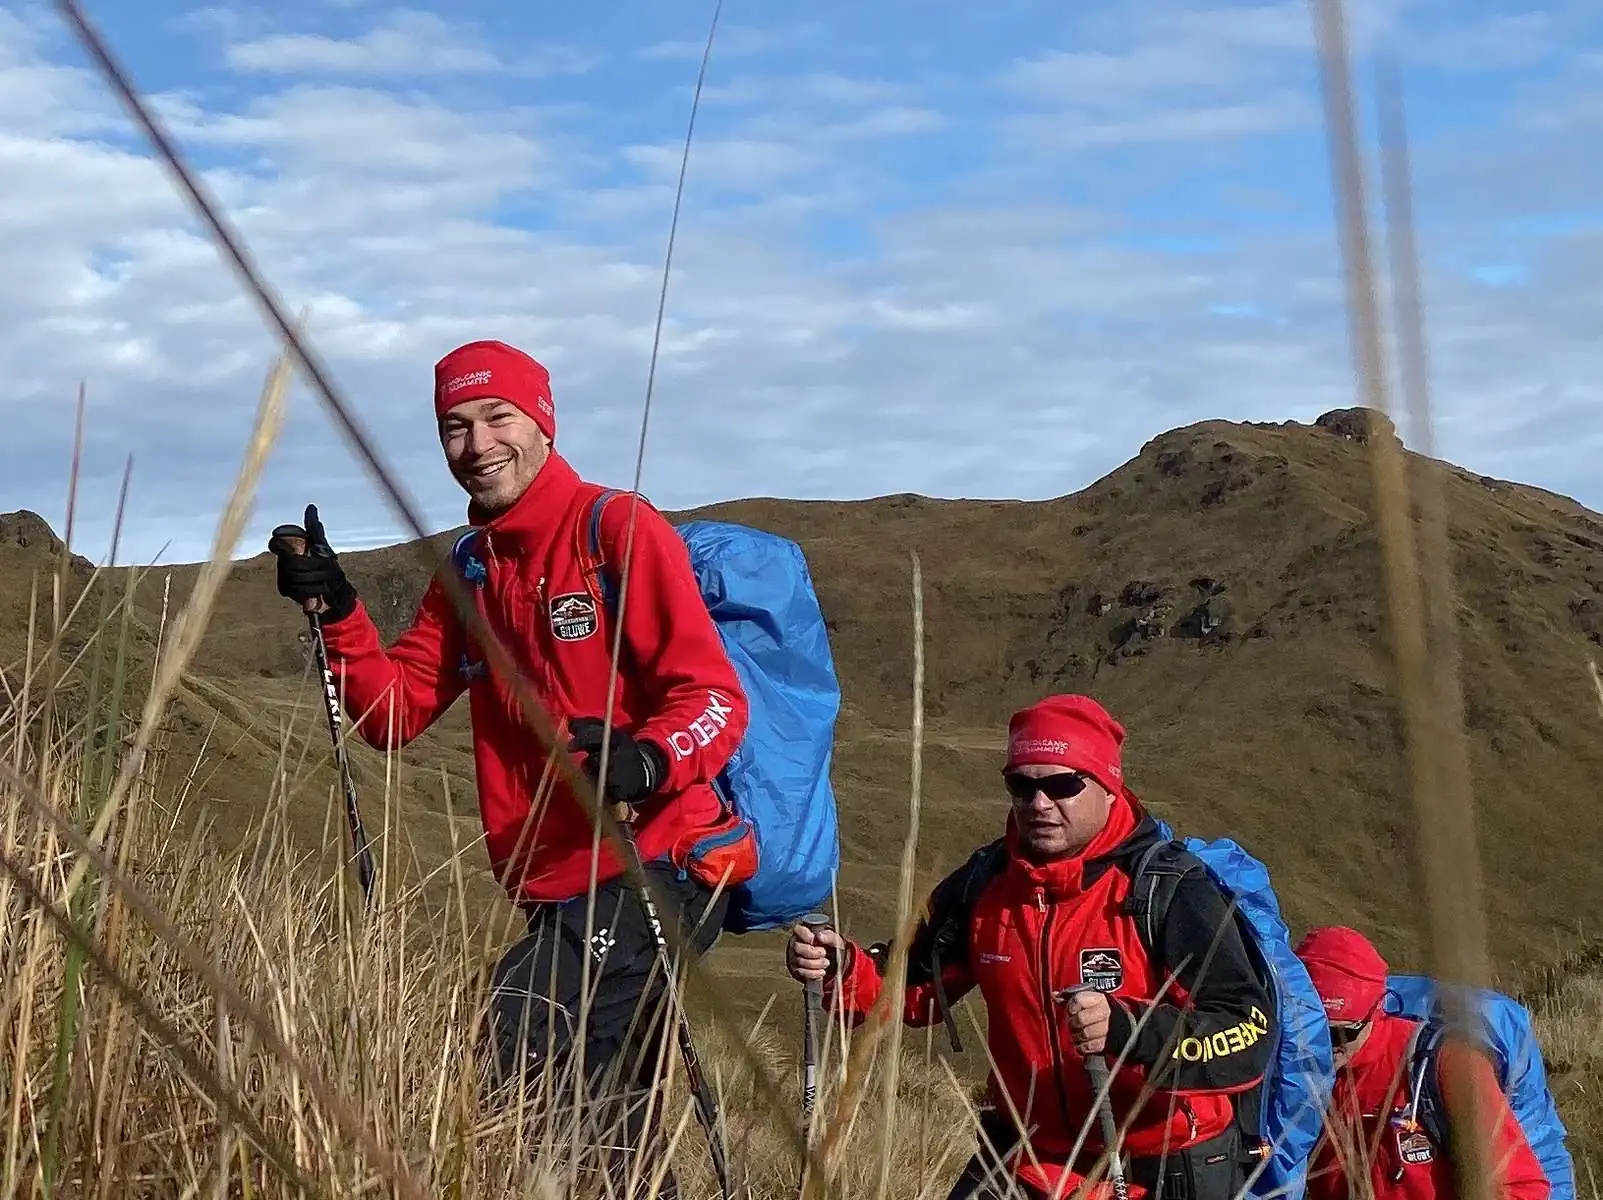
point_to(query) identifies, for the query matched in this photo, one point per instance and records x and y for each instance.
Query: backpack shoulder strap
(1154, 876)
(1425, 1104)
(945, 939)
(471, 568)
(591, 554)
(465, 561)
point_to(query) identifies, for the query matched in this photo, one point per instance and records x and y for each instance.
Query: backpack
(1287, 1118)
(1503, 1032)
(759, 592)
(1291, 1102)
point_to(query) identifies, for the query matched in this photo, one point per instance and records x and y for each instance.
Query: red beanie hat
(481, 369)
(1347, 971)
(1068, 731)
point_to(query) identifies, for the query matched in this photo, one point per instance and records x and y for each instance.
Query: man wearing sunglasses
(1038, 923)
(1377, 1126)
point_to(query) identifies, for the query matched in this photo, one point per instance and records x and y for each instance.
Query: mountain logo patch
(573, 616)
(1416, 1148)
(1102, 968)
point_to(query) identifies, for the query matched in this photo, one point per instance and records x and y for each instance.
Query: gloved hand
(635, 770)
(309, 571)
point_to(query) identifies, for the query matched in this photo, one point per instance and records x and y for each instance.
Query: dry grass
(146, 1056)
(1570, 1026)
(333, 1029)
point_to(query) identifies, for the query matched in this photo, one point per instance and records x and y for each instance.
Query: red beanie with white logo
(483, 369)
(1346, 970)
(1068, 731)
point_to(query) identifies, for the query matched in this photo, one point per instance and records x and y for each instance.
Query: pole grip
(290, 541)
(816, 921)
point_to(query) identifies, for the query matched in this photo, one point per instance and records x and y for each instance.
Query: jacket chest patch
(1415, 1147)
(573, 617)
(1102, 967)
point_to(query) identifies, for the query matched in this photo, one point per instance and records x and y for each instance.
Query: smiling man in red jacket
(1373, 1130)
(1037, 922)
(678, 714)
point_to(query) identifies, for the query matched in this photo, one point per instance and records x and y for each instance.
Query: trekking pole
(291, 539)
(812, 1017)
(813, 993)
(706, 1107)
(1096, 1070)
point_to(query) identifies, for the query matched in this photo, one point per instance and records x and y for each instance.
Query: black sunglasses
(1057, 787)
(1345, 1033)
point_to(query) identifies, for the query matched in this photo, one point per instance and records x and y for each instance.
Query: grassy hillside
(1220, 593)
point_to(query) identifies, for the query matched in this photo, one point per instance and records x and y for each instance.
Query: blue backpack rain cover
(1298, 1084)
(759, 591)
(1505, 1033)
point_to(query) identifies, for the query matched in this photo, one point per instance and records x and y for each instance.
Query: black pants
(1212, 1170)
(535, 1005)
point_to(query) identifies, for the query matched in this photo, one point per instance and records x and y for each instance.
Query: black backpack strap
(1154, 875)
(946, 932)
(1426, 1106)
(470, 568)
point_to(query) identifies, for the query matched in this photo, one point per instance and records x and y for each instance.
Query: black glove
(309, 570)
(635, 770)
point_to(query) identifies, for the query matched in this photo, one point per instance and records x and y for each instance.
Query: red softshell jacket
(1029, 930)
(1369, 1131)
(676, 689)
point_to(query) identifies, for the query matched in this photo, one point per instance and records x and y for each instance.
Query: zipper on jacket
(1049, 1007)
(1191, 1120)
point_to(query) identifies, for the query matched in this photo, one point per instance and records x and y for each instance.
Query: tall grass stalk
(102, 725)
(905, 899)
(1419, 591)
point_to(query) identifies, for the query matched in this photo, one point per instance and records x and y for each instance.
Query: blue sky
(963, 250)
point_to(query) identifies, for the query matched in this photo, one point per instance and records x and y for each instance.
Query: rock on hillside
(1221, 593)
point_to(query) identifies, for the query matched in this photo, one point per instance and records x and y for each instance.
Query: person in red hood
(1040, 922)
(678, 712)
(1373, 1129)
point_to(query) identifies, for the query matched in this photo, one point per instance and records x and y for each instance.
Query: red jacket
(1025, 931)
(1369, 1125)
(676, 689)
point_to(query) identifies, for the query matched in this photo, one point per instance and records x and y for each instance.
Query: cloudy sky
(959, 249)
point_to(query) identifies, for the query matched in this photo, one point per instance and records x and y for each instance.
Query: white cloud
(1502, 41)
(735, 40)
(1168, 74)
(729, 163)
(855, 307)
(820, 87)
(404, 43)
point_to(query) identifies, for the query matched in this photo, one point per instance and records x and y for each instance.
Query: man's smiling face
(494, 450)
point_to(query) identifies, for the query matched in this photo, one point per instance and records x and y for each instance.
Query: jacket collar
(536, 516)
(1129, 831)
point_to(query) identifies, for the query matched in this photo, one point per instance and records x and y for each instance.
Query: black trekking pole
(1096, 1070)
(812, 1014)
(706, 1107)
(812, 1017)
(291, 539)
